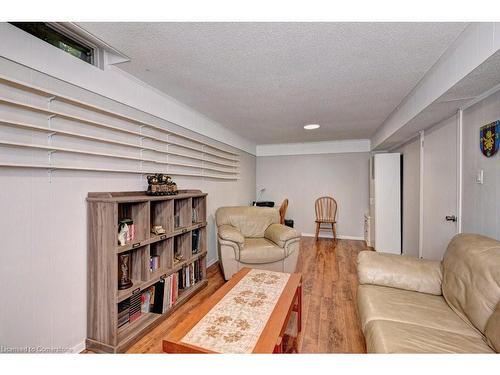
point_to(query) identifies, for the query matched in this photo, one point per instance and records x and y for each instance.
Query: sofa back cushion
(471, 277)
(250, 221)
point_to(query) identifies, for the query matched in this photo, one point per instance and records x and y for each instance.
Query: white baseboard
(78, 348)
(329, 235)
(212, 262)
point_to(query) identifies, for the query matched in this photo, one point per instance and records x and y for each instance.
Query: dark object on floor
(263, 204)
(289, 223)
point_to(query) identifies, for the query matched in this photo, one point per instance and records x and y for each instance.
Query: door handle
(451, 218)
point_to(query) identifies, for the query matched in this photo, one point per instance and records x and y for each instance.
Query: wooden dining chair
(283, 208)
(326, 212)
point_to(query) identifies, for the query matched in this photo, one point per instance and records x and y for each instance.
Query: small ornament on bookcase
(161, 184)
(157, 230)
(126, 231)
(124, 266)
(154, 263)
(178, 257)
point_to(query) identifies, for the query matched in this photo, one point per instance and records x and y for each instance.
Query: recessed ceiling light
(311, 126)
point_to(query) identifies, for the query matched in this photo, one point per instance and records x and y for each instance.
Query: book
(166, 295)
(154, 262)
(195, 243)
(175, 288)
(152, 297)
(158, 297)
(123, 313)
(135, 307)
(145, 301)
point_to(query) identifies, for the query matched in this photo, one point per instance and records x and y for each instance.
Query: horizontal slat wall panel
(42, 129)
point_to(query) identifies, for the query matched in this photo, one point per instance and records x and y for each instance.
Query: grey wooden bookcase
(104, 212)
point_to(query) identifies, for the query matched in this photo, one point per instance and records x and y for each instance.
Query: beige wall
(481, 203)
(43, 226)
(303, 178)
(411, 196)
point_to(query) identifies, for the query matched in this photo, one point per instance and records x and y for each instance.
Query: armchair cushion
(250, 221)
(259, 251)
(280, 234)
(230, 233)
(399, 271)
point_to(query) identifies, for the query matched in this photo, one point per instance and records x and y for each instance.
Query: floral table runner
(236, 322)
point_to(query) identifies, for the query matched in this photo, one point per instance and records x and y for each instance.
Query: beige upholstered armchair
(253, 237)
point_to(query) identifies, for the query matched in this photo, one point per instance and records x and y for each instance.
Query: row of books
(190, 275)
(166, 294)
(160, 297)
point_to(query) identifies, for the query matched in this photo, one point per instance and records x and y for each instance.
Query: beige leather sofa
(253, 237)
(409, 305)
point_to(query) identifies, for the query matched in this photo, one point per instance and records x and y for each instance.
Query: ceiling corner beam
(473, 46)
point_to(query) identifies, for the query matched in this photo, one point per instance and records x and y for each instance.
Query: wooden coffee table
(251, 313)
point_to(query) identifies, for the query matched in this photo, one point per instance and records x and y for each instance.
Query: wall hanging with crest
(489, 138)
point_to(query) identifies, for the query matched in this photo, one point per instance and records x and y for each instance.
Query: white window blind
(45, 129)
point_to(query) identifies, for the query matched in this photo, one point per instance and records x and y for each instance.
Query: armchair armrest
(400, 271)
(280, 234)
(230, 233)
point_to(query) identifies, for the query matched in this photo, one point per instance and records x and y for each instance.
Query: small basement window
(52, 36)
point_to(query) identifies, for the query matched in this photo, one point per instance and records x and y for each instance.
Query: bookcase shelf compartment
(164, 250)
(182, 213)
(105, 210)
(129, 334)
(155, 277)
(182, 246)
(162, 213)
(199, 214)
(138, 212)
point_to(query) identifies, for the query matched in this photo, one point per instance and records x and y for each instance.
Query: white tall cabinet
(385, 202)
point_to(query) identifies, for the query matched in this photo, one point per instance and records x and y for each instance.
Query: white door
(388, 203)
(439, 188)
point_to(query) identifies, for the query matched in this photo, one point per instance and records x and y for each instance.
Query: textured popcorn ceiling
(266, 80)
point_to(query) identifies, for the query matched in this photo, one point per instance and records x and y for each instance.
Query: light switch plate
(480, 176)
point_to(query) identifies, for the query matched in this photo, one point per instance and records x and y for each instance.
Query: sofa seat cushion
(398, 305)
(260, 250)
(385, 336)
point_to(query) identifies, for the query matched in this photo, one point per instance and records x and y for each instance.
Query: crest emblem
(489, 138)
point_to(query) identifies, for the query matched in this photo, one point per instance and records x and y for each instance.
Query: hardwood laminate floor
(330, 320)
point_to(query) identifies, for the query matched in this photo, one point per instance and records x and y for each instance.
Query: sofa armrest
(230, 233)
(400, 271)
(280, 234)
